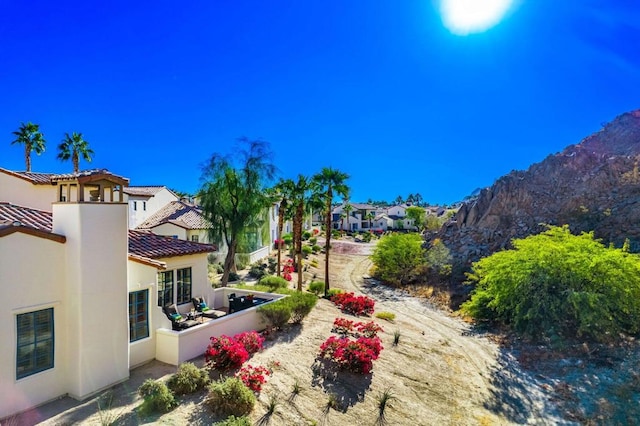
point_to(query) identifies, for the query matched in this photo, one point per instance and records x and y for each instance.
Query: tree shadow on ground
(345, 387)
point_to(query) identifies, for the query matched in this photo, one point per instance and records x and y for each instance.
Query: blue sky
(378, 89)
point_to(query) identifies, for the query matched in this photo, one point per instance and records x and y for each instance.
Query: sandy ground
(440, 373)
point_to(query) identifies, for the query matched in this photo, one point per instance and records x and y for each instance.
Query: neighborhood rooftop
(179, 213)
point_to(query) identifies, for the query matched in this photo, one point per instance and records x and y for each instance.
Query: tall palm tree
(33, 140)
(348, 208)
(329, 182)
(300, 197)
(73, 147)
(418, 199)
(283, 190)
(399, 200)
(371, 215)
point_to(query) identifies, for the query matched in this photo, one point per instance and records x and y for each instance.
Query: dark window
(138, 315)
(194, 238)
(135, 205)
(184, 285)
(165, 288)
(35, 342)
(144, 206)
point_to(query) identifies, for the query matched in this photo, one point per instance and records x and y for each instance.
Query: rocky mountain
(591, 186)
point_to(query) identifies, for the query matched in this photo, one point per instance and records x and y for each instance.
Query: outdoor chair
(201, 306)
(178, 322)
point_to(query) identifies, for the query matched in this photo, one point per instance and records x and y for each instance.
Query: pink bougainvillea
(253, 377)
(352, 304)
(251, 340)
(353, 355)
(227, 353)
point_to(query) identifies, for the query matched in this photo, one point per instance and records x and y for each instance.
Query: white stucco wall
(143, 277)
(32, 277)
(153, 204)
(170, 230)
(96, 285)
(22, 193)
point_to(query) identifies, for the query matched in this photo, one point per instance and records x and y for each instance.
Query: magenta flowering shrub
(343, 326)
(287, 269)
(352, 304)
(369, 329)
(253, 377)
(227, 353)
(353, 355)
(251, 340)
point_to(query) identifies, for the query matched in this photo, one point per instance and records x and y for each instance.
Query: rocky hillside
(591, 186)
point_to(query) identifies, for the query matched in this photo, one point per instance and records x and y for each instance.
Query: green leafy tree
(327, 184)
(418, 215)
(439, 258)
(73, 147)
(399, 258)
(234, 195)
(556, 284)
(29, 135)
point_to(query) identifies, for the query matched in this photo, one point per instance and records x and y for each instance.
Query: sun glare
(464, 17)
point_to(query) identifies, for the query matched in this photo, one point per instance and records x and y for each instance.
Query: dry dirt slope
(439, 374)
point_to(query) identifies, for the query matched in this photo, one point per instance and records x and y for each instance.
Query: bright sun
(463, 17)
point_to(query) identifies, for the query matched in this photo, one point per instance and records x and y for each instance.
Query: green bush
(334, 291)
(274, 282)
(439, 258)
(157, 397)
(399, 258)
(234, 421)
(388, 316)
(276, 314)
(258, 270)
(230, 397)
(288, 239)
(335, 233)
(306, 250)
(273, 263)
(316, 287)
(313, 241)
(188, 379)
(366, 237)
(233, 276)
(242, 260)
(306, 235)
(316, 248)
(301, 305)
(556, 284)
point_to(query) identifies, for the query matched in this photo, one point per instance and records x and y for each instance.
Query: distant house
(180, 220)
(145, 201)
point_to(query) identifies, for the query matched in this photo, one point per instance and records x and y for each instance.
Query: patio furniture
(201, 306)
(178, 321)
(239, 303)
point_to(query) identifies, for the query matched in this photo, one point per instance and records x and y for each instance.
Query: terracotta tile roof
(179, 213)
(89, 176)
(145, 191)
(32, 218)
(150, 245)
(34, 178)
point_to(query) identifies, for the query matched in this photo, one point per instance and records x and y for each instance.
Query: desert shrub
(387, 316)
(333, 291)
(233, 276)
(306, 235)
(559, 284)
(276, 314)
(301, 305)
(253, 377)
(234, 421)
(316, 248)
(316, 287)
(288, 239)
(335, 233)
(273, 263)
(306, 250)
(188, 379)
(313, 241)
(225, 353)
(366, 237)
(399, 258)
(352, 304)
(242, 260)
(230, 397)
(439, 258)
(258, 270)
(274, 282)
(251, 340)
(353, 355)
(157, 397)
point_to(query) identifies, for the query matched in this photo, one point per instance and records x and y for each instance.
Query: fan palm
(29, 135)
(73, 147)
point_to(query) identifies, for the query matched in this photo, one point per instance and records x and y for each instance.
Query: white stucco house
(145, 201)
(83, 294)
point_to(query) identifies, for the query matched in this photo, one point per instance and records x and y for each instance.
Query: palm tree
(299, 198)
(29, 135)
(329, 182)
(417, 198)
(73, 147)
(348, 208)
(283, 190)
(371, 215)
(399, 200)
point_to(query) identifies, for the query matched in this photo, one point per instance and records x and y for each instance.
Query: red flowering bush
(342, 326)
(253, 377)
(316, 231)
(225, 353)
(251, 340)
(369, 329)
(353, 355)
(352, 304)
(287, 269)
